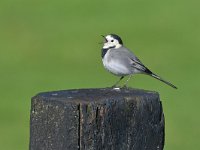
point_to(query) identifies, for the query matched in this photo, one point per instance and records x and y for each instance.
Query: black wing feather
(138, 65)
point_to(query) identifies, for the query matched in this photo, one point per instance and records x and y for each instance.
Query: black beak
(104, 38)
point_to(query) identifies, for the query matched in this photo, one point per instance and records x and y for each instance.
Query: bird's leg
(125, 85)
(117, 82)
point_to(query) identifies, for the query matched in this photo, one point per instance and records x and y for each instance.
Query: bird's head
(112, 41)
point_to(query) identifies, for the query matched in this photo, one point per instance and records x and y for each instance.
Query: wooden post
(97, 119)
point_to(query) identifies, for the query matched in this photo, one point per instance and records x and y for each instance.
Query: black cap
(117, 38)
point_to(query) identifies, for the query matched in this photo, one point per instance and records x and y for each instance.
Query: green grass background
(50, 45)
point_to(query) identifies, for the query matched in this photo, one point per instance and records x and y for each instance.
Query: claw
(125, 86)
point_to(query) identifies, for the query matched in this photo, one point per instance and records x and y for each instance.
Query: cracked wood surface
(97, 119)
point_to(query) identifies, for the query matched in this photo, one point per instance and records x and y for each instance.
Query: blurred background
(53, 45)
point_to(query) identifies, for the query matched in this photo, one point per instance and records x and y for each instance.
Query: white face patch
(111, 42)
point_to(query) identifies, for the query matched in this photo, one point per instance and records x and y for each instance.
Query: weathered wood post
(97, 119)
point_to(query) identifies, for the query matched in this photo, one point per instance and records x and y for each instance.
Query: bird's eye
(112, 40)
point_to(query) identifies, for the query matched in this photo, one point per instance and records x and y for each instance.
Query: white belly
(115, 67)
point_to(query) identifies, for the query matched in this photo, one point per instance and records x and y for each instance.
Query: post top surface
(95, 94)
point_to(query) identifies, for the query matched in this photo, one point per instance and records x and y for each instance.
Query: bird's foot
(115, 87)
(125, 87)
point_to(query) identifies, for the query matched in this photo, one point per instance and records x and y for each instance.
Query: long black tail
(159, 78)
(166, 82)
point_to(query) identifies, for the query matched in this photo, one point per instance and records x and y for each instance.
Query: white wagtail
(120, 61)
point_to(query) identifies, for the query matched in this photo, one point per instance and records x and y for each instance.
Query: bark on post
(97, 119)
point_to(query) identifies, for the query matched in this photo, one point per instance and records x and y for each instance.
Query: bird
(122, 62)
